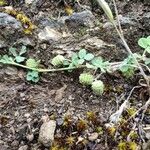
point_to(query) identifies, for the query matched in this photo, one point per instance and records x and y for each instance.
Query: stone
(146, 21)
(49, 34)
(46, 134)
(9, 21)
(26, 41)
(93, 136)
(25, 147)
(124, 20)
(29, 2)
(146, 146)
(84, 18)
(10, 29)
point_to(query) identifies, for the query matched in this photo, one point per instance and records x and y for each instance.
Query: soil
(23, 104)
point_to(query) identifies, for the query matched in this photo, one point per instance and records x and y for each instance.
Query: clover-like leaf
(23, 50)
(66, 63)
(6, 59)
(144, 42)
(12, 50)
(148, 49)
(89, 56)
(75, 59)
(90, 66)
(97, 61)
(19, 59)
(80, 61)
(82, 53)
(147, 61)
(32, 76)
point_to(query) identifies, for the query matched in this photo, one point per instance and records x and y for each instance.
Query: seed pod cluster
(86, 78)
(58, 60)
(98, 87)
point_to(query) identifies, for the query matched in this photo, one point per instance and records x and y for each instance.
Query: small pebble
(93, 136)
(46, 134)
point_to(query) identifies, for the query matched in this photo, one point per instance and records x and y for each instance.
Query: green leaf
(147, 61)
(23, 50)
(70, 66)
(19, 59)
(66, 63)
(89, 57)
(148, 49)
(6, 59)
(80, 61)
(12, 50)
(97, 61)
(144, 42)
(32, 76)
(82, 53)
(75, 59)
(90, 66)
(32, 63)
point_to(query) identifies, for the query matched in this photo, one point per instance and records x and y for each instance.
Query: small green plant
(98, 87)
(58, 61)
(145, 44)
(86, 78)
(33, 76)
(18, 55)
(80, 57)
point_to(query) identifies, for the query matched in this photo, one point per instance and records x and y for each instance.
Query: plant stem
(46, 70)
(127, 47)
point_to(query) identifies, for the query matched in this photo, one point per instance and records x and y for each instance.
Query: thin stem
(117, 15)
(47, 70)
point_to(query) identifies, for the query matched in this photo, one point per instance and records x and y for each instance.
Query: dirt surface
(23, 104)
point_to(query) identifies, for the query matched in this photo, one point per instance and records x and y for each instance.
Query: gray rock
(126, 20)
(25, 147)
(46, 134)
(85, 18)
(146, 21)
(2, 43)
(26, 41)
(93, 136)
(9, 21)
(146, 146)
(49, 34)
(29, 1)
(9, 29)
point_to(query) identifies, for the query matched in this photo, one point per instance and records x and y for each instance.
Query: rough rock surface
(46, 135)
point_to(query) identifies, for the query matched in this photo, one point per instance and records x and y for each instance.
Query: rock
(9, 29)
(26, 41)
(146, 146)
(84, 18)
(146, 21)
(93, 136)
(126, 21)
(7, 21)
(49, 34)
(29, 2)
(2, 43)
(15, 143)
(46, 134)
(25, 147)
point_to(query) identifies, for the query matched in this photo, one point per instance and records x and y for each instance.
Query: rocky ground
(28, 110)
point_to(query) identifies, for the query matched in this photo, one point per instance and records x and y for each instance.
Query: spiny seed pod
(58, 60)
(86, 79)
(98, 87)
